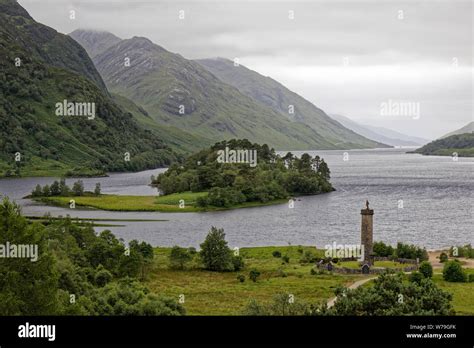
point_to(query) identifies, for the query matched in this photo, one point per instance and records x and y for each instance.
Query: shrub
(237, 262)
(285, 258)
(192, 250)
(102, 277)
(443, 257)
(453, 272)
(254, 274)
(215, 253)
(426, 269)
(276, 253)
(241, 278)
(416, 277)
(313, 271)
(471, 278)
(179, 257)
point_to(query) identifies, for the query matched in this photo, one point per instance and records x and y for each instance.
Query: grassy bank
(169, 203)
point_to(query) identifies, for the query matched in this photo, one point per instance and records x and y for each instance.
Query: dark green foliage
(407, 251)
(215, 254)
(443, 257)
(416, 277)
(471, 278)
(382, 249)
(37, 192)
(237, 262)
(241, 278)
(426, 269)
(276, 253)
(453, 272)
(73, 260)
(391, 295)
(228, 184)
(313, 271)
(179, 257)
(285, 259)
(254, 274)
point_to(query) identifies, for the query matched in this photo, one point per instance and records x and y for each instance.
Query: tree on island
(272, 177)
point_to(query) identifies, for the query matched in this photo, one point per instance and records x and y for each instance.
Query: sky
(404, 65)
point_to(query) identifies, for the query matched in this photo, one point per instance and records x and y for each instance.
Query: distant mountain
(469, 128)
(273, 94)
(41, 68)
(380, 134)
(462, 144)
(95, 42)
(182, 94)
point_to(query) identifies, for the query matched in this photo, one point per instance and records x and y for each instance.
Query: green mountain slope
(462, 144)
(181, 93)
(469, 128)
(30, 129)
(279, 98)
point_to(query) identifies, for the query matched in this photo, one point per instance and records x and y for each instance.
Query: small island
(228, 175)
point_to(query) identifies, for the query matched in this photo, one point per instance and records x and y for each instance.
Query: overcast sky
(347, 57)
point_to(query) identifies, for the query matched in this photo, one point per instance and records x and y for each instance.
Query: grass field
(463, 293)
(169, 203)
(213, 293)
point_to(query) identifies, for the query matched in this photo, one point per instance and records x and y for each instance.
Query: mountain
(469, 128)
(182, 94)
(380, 134)
(41, 69)
(280, 99)
(94, 41)
(462, 144)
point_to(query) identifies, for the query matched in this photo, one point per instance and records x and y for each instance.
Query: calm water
(437, 195)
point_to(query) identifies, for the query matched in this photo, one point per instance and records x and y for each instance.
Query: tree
(63, 187)
(37, 192)
(453, 272)
(78, 188)
(426, 269)
(26, 287)
(46, 191)
(215, 254)
(55, 189)
(179, 257)
(391, 295)
(97, 189)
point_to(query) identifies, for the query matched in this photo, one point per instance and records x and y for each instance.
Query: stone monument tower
(366, 233)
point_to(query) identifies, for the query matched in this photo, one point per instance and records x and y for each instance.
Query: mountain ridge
(162, 82)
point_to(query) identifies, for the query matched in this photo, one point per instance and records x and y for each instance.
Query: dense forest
(273, 176)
